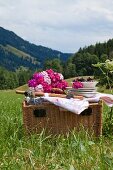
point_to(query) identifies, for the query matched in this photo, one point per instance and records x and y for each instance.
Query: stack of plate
(86, 92)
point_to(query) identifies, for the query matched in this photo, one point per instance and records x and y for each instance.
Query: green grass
(40, 152)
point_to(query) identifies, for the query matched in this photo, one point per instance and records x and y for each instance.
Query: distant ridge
(16, 52)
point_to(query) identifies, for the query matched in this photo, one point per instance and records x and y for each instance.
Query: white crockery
(86, 94)
(89, 84)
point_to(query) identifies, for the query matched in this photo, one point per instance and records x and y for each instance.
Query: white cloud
(65, 25)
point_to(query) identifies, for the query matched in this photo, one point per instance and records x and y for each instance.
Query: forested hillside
(82, 61)
(16, 52)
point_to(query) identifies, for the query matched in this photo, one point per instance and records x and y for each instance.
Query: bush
(105, 73)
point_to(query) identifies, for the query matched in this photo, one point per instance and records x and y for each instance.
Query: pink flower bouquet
(47, 80)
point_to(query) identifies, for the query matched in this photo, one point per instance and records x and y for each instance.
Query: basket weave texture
(56, 120)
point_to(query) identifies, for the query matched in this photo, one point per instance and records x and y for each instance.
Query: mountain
(16, 52)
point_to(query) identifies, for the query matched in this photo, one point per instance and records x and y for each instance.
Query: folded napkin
(72, 105)
(107, 98)
(76, 105)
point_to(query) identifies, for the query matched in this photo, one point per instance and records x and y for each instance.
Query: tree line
(80, 64)
(11, 80)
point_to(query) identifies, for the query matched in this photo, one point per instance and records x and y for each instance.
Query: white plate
(86, 94)
(86, 89)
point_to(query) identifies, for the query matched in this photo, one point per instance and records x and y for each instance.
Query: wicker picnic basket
(56, 120)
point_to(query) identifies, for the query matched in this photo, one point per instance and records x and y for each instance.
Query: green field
(76, 151)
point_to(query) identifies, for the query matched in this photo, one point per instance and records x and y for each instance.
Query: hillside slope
(19, 52)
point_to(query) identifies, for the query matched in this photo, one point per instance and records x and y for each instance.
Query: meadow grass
(75, 151)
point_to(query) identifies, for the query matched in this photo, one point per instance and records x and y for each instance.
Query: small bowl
(91, 84)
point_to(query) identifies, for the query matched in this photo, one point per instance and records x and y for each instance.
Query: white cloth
(46, 94)
(72, 105)
(75, 105)
(107, 98)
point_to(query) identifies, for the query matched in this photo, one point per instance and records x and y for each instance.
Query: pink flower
(39, 88)
(46, 87)
(57, 77)
(61, 84)
(77, 84)
(50, 71)
(38, 77)
(47, 79)
(61, 76)
(32, 83)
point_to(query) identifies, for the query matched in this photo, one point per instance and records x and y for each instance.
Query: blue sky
(64, 25)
